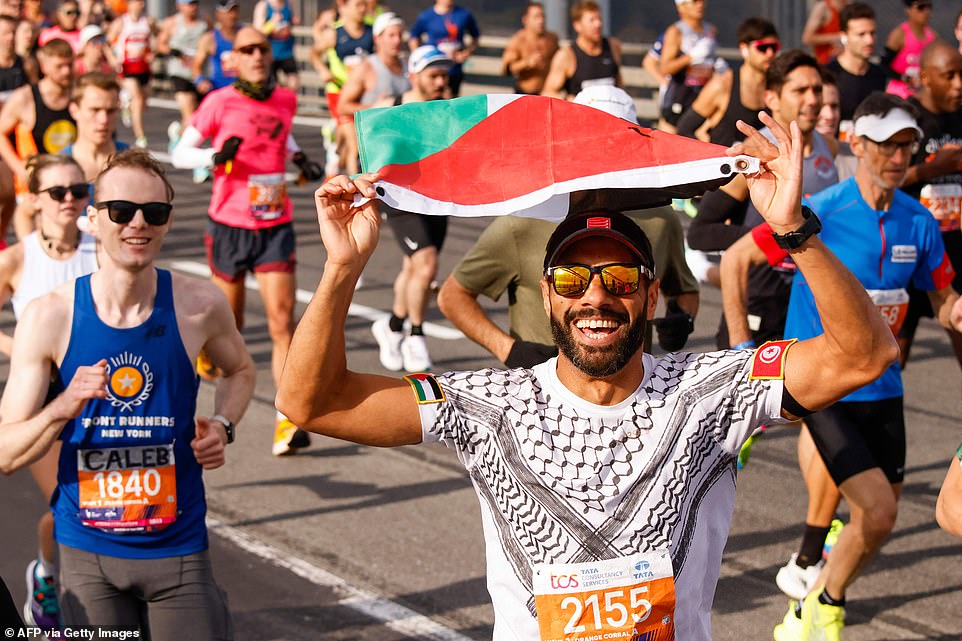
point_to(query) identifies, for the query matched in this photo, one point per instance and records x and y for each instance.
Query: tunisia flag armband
(768, 363)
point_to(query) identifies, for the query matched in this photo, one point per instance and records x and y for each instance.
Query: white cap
(610, 99)
(428, 56)
(88, 33)
(385, 20)
(880, 128)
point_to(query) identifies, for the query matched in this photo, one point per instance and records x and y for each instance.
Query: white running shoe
(414, 352)
(795, 581)
(389, 343)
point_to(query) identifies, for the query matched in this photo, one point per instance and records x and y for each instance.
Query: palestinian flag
(530, 156)
(426, 389)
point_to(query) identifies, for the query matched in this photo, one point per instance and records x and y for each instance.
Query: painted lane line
(434, 330)
(394, 615)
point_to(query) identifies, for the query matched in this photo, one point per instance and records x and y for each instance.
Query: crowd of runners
(588, 453)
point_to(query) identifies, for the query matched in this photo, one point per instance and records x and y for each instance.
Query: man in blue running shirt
(889, 241)
(129, 507)
(445, 26)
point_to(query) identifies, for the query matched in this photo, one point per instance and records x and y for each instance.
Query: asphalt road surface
(344, 542)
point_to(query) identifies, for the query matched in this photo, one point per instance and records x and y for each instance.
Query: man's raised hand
(349, 233)
(776, 191)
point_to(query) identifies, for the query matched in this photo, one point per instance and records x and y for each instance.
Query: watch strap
(228, 426)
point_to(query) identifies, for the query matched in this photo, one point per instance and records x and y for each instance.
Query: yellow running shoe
(790, 629)
(206, 369)
(821, 622)
(288, 438)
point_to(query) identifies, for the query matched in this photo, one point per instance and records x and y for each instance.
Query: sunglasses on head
(766, 46)
(250, 49)
(79, 191)
(123, 211)
(619, 279)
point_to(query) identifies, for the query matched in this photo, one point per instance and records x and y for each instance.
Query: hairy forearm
(463, 309)
(317, 358)
(853, 327)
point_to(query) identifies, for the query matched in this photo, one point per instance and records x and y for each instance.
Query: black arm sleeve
(689, 123)
(886, 64)
(708, 230)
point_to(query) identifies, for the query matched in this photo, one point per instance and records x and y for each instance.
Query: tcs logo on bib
(130, 381)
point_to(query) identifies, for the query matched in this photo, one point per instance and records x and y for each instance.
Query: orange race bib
(846, 131)
(128, 489)
(627, 598)
(945, 204)
(268, 194)
(893, 305)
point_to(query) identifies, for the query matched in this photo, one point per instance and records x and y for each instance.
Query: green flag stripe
(387, 136)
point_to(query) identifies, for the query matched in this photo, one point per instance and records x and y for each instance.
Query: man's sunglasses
(767, 46)
(922, 6)
(250, 49)
(889, 147)
(79, 191)
(620, 279)
(70, 12)
(123, 211)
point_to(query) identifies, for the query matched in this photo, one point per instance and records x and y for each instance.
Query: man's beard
(598, 362)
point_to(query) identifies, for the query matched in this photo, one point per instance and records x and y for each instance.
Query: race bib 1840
(128, 489)
(618, 599)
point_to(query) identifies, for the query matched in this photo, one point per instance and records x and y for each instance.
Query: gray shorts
(175, 599)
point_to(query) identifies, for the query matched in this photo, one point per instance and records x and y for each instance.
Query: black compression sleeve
(793, 407)
(689, 123)
(718, 223)
(886, 63)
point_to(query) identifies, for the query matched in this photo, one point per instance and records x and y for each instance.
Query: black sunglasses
(250, 49)
(79, 191)
(123, 211)
(922, 6)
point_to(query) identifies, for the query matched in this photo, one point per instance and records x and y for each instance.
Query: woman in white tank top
(54, 254)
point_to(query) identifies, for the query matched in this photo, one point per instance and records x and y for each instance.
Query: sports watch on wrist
(795, 239)
(228, 426)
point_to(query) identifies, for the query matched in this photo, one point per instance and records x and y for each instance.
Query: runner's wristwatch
(228, 426)
(795, 239)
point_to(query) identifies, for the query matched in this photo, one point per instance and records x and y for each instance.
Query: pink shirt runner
(52, 33)
(907, 61)
(254, 194)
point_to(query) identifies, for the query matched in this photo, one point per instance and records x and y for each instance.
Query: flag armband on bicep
(427, 390)
(768, 363)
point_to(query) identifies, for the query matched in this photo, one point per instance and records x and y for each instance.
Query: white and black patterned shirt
(562, 480)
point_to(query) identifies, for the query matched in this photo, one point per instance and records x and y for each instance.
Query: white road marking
(372, 314)
(394, 615)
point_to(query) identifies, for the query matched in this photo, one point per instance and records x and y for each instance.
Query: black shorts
(287, 65)
(416, 231)
(183, 85)
(454, 81)
(143, 79)
(853, 437)
(919, 304)
(233, 251)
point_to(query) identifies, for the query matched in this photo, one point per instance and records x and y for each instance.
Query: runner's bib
(892, 304)
(268, 194)
(945, 204)
(128, 490)
(620, 599)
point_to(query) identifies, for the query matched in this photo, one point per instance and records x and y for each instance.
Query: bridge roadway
(345, 542)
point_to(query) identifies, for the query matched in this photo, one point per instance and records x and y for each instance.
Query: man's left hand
(210, 438)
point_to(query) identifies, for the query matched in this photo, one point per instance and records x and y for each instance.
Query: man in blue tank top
(275, 20)
(129, 507)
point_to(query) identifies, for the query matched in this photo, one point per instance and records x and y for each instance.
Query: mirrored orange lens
(570, 281)
(620, 280)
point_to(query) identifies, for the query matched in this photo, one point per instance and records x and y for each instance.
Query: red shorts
(332, 99)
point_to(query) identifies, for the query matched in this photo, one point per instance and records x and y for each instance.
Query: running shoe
(389, 343)
(205, 368)
(288, 438)
(201, 175)
(173, 135)
(414, 354)
(746, 451)
(834, 531)
(42, 608)
(790, 629)
(795, 581)
(821, 622)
